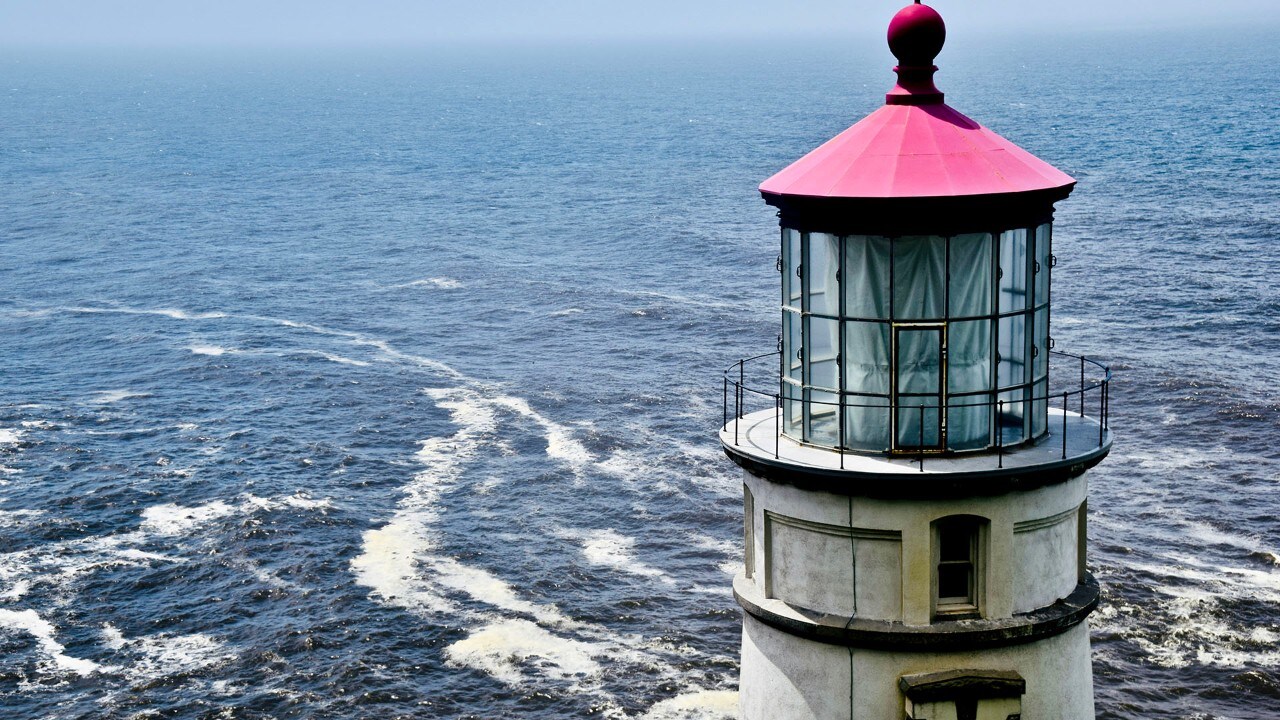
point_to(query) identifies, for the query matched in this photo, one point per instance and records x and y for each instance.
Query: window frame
(974, 530)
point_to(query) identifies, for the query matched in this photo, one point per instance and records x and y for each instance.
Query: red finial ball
(916, 35)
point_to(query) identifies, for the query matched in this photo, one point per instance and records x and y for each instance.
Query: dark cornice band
(924, 486)
(917, 216)
(944, 636)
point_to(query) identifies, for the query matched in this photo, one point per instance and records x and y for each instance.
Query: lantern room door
(919, 377)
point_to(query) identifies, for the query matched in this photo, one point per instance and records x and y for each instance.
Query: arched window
(958, 561)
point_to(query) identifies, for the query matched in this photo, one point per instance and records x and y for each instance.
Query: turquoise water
(385, 384)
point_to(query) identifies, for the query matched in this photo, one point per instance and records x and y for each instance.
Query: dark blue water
(345, 385)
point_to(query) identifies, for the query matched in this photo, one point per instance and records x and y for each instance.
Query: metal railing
(1092, 390)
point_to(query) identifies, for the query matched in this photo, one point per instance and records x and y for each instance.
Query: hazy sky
(383, 22)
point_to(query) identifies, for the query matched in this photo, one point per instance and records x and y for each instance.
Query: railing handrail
(737, 368)
(735, 375)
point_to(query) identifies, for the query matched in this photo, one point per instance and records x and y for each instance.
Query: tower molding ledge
(951, 635)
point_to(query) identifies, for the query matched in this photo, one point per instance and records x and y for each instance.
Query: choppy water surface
(385, 385)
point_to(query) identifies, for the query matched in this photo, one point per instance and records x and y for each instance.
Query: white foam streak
(502, 648)
(388, 565)
(485, 587)
(163, 655)
(61, 562)
(20, 588)
(212, 350)
(10, 436)
(171, 519)
(608, 548)
(173, 313)
(561, 445)
(107, 397)
(30, 622)
(438, 283)
(342, 360)
(696, 705)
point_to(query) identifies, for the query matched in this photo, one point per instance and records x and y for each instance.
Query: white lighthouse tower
(914, 457)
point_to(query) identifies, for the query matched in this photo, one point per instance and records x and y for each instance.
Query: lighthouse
(914, 454)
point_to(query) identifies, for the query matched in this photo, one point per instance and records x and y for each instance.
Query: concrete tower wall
(874, 558)
(784, 676)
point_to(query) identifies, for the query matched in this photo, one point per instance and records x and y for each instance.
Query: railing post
(921, 438)
(777, 419)
(1081, 386)
(1106, 416)
(841, 448)
(742, 374)
(999, 433)
(1102, 408)
(725, 403)
(737, 404)
(1064, 425)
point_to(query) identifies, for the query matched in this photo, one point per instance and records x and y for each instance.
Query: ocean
(385, 383)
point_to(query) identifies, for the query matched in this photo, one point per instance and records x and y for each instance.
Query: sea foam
(30, 622)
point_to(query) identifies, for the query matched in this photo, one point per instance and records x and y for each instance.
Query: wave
(213, 350)
(172, 313)
(164, 655)
(438, 283)
(608, 548)
(504, 647)
(108, 397)
(696, 704)
(30, 622)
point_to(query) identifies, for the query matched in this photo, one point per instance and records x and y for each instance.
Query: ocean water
(385, 383)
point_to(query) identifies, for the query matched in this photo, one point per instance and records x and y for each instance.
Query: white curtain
(919, 356)
(824, 263)
(969, 342)
(867, 368)
(918, 267)
(866, 277)
(969, 370)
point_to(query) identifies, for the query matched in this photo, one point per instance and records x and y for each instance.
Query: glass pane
(1012, 418)
(918, 267)
(969, 356)
(821, 353)
(953, 580)
(866, 357)
(919, 384)
(1039, 408)
(954, 543)
(866, 277)
(917, 427)
(1012, 347)
(969, 369)
(824, 418)
(1043, 245)
(969, 422)
(919, 361)
(792, 409)
(791, 284)
(1041, 364)
(1013, 270)
(824, 261)
(970, 275)
(866, 423)
(791, 345)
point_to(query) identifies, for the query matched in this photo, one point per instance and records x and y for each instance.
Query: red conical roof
(915, 146)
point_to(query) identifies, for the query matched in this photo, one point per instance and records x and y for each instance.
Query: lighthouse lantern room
(914, 455)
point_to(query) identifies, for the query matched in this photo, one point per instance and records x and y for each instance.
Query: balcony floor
(756, 439)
